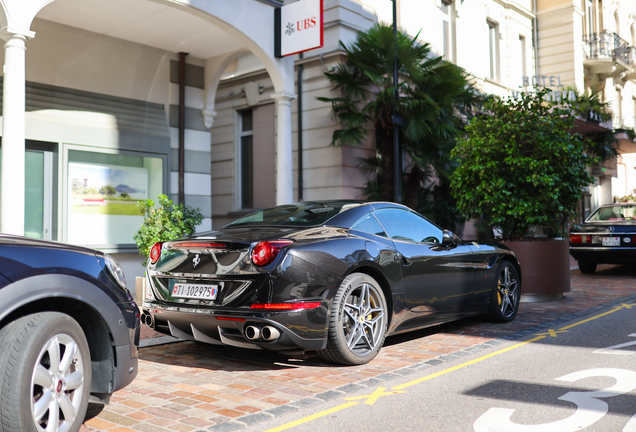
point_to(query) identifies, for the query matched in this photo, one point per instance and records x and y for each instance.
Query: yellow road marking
(552, 333)
(311, 417)
(591, 319)
(370, 399)
(463, 365)
(380, 390)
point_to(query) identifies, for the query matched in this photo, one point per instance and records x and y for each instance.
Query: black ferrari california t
(332, 276)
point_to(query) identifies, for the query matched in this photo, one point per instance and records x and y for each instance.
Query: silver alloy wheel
(363, 320)
(507, 297)
(57, 384)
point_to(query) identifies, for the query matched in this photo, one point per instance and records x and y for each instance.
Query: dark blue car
(69, 332)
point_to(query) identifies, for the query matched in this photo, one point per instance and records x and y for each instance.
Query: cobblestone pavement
(187, 386)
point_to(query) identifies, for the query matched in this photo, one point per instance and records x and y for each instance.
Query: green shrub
(166, 222)
(521, 166)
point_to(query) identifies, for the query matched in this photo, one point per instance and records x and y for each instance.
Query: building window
(448, 31)
(102, 195)
(246, 153)
(618, 23)
(524, 56)
(493, 45)
(255, 158)
(619, 104)
(589, 17)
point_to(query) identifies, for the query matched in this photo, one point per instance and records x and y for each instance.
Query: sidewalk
(187, 386)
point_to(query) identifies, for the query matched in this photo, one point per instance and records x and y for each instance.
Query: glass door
(38, 194)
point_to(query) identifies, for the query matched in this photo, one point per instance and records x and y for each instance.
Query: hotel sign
(545, 81)
(298, 27)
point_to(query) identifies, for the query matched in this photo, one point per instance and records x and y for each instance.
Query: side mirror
(449, 238)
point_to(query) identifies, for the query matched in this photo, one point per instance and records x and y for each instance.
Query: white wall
(424, 18)
(73, 58)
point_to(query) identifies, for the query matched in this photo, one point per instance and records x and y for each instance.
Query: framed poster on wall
(102, 204)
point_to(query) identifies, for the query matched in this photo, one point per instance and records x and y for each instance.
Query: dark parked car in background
(69, 332)
(608, 236)
(331, 276)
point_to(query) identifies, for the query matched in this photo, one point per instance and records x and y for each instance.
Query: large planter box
(545, 268)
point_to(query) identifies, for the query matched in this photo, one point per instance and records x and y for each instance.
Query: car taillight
(285, 306)
(265, 251)
(155, 252)
(579, 238)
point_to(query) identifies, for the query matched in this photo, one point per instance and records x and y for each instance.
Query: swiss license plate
(611, 241)
(194, 291)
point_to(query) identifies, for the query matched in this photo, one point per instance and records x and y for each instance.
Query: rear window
(613, 213)
(297, 214)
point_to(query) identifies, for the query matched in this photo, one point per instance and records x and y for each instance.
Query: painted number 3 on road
(589, 407)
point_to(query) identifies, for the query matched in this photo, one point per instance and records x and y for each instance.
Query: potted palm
(522, 170)
(432, 98)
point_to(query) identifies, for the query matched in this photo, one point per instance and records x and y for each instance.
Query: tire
(357, 322)
(506, 292)
(587, 267)
(34, 392)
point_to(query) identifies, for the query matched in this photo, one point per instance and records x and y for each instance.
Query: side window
(369, 224)
(405, 225)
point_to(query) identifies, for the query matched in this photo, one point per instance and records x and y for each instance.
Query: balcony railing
(623, 52)
(608, 45)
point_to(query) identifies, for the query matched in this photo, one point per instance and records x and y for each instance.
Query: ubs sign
(298, 27)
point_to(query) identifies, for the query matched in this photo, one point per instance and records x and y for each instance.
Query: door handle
(406, 261)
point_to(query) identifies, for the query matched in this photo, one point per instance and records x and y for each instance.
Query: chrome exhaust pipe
(148, 319)
(252, 333)
(270, 333)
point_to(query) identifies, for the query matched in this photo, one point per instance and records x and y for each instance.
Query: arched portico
(250, 22)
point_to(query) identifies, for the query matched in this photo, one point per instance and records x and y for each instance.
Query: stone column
(284, 177)
(13, 132)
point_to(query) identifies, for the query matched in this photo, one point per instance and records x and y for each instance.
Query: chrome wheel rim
(363, 319)
(507, 286)
(57, 384)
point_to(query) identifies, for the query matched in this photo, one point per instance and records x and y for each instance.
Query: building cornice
(558, 10)
(274, 3)
(516, 7)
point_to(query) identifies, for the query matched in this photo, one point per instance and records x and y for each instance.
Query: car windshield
(296, 214)
(613, 213)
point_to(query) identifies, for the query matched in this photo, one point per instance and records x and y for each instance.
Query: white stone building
(591, 45)
(91, 98)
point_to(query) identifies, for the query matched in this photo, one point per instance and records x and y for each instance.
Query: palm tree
(435, 99)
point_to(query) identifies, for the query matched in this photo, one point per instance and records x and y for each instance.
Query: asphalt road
(575, 375)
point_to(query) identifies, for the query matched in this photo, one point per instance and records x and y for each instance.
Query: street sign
(298, 27)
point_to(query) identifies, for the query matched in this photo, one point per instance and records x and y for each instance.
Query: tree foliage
(434, 100)
(520, 166)
(166, 222)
